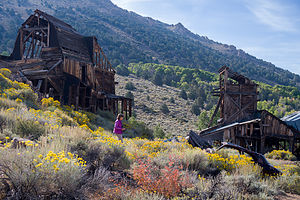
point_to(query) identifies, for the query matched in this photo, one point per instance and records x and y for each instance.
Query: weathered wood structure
(61, 63)
(241, 123)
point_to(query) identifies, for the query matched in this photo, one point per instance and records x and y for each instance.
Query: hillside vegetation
(148, 101)
(49, 151)
(128, 37)
(196, 85)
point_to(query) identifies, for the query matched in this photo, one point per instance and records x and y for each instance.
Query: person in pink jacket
(118, 128)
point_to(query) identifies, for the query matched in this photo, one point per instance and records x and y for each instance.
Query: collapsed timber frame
(242, 124)
(57, 61)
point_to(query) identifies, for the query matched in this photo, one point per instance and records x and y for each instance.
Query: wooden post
(107, 106)
(130, 107)
(84, 99)
(77, 97)
(117, 106)
(262, 145)
(103, 104)
(48, 35)
(251, 129)
(125, 106)
(70, 95)
(46, 86)
(122, 106)
(291, 144)
(21, 45)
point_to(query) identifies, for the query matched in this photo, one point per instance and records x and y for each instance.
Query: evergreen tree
(129, 86)
(183, 94)
(195, 109)
(157, 80)
(164, 109)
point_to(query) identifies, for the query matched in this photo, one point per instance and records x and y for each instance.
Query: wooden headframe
(237, 97)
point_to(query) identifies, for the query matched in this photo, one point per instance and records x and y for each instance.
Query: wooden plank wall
(74, 68)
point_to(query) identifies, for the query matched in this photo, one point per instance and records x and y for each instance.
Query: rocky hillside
(148, 99)
(128, 37)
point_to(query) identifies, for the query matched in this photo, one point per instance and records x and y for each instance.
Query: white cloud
(273, 14)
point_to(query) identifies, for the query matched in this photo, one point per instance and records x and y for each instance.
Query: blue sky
(267, 29)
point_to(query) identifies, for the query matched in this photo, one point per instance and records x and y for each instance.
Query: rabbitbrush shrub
(29, 128)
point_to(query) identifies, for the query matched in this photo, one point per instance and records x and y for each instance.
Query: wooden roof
(62, 35)
(236, 76)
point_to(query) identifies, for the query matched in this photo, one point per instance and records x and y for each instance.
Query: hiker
(118, 128)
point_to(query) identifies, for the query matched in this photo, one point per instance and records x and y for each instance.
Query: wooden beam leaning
(215, 112)
(54, 84)
(48, 35)
(55, 65)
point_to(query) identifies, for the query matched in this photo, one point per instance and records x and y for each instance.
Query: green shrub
(122, 70)
(27, 95)
(29, 129)
(106, 114)
(129, 95)
(195, 109)
(6, 72)
(157, 79)
(159, 132)
(8, 103)
(24, 180)
(172, 100)
(289, 184)
(139, 129)
(112, 158)
(281, 155)
(130, 86)
(5, 82)
(164, 109)
(183, 94)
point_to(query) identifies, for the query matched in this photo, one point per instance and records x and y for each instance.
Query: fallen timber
(256, 157)
(196, 141)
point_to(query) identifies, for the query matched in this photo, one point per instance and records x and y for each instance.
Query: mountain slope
(148, 99)
(128, 37)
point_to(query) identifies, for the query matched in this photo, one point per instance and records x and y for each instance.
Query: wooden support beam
(54, 84)
(130, 108)
(29, 49)
(61, 95)
(28, 36)
(39, 85)
(233, 101)
(215, 112)
(21, 44)
(240, 111)
(48, 35)
(35, 29)
(77, 97)
(55, 65)
(291, 144)
(126, 110)
(117, 106)
(34, 42)
(70, 95)
(122, 106)
(45, 85)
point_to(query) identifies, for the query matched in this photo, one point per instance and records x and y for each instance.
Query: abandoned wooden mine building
(241, 123)
(59, 62)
